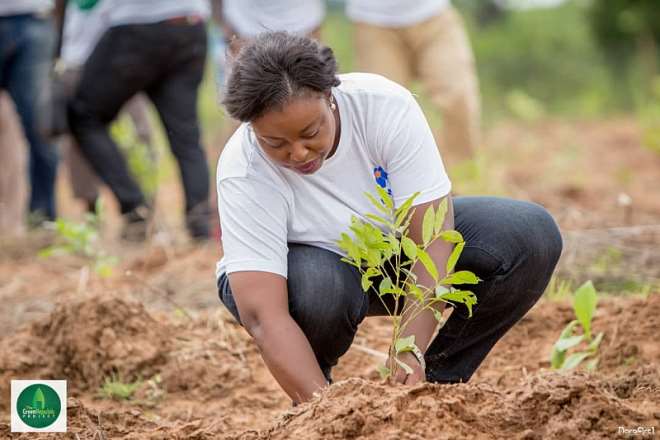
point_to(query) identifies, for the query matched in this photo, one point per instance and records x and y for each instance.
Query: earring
(333, 106)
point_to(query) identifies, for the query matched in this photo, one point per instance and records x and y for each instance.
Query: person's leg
(175, 98)
(84, 182)
(114, 72)
(138, 109)
(513, 247)
(446, 66)
(382, 50)
(13, 160)
(26, 79)
(325, 300)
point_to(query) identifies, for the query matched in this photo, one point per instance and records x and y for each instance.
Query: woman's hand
(418, 374)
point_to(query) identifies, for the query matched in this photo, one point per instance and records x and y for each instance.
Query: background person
(82, 30)
(291, 178)
(159, 47)
(27, 43)
(423, 40)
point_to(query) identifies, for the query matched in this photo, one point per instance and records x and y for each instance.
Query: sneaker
(136, 224)
(197, 221)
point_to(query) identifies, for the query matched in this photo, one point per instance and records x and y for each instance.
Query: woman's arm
(424, 325)
(262, 301)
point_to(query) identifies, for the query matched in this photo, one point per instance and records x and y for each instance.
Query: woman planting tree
(294, 174)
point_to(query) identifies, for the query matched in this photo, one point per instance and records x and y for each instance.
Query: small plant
(389, 255)
(114, 388)
(81, 239)
(144, 393)
(584, 305)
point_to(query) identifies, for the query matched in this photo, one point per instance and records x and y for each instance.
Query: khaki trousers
(13, 169)
(436, 51)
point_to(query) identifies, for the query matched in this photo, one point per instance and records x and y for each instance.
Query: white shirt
(251, 17)
(16, 7)
(264, 206)
(394, 13)
(152, 11)
(82, 30)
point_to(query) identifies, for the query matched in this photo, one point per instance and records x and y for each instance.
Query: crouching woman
(289, 180)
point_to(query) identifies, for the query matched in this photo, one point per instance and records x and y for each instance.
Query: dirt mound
(84, 422)
(545, 405)
(86, 341)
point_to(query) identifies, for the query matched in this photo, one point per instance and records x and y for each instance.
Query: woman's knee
(325, 297)
(544, 242)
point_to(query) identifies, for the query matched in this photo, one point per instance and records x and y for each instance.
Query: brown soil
(207, 380)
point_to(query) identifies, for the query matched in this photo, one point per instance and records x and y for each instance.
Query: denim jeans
(512, 246)
(165, 60)
(26, 51)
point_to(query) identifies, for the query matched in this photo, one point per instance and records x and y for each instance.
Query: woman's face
(301, 135)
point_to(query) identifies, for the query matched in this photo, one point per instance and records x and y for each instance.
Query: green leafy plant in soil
(380, 247)
(81, 239)
(583, 346)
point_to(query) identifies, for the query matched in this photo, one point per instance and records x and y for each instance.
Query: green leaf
(593, 345)
(366, 282)
(438, 316)
(584, 305)
(557, 359)
(378, 205)
(591, 364)
(405, 366)
(351, 262)
(385, 197)
(564, 344)
(453, 257)
(384, 372)
(573, 360)
(373, 257)
(403, 210)
(461, 277)
(378, 219)
(568, 330)
(460, 296)
(385, 286)
(428, 263)
(427, 225)
(409, 247)
(402, 345)
(451, 236)
(440, 216)
(416, 293)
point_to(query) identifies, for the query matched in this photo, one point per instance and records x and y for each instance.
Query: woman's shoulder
(371, 85)
(242, 159)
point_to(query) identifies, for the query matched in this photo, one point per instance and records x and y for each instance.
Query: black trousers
(512, 246)
(165, 60)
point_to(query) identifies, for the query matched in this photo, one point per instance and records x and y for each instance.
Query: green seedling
(387, 258)
(584, 346)
(114, 388)
(81, 239)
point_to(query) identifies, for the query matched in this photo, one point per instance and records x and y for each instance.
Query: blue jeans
(512, 246)
(26, 51)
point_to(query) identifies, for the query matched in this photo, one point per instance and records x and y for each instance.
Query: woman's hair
(272, 69)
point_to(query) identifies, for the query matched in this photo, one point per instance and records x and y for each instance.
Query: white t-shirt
(82, 30)
(394, 13)
(263, 206)
(251, 17)
(16, 7)
(151, 11)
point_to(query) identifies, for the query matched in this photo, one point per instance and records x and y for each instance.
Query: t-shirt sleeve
(253, 218)
(411, 155)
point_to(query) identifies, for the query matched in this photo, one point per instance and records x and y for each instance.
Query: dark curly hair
(273, 68)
